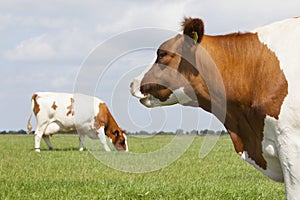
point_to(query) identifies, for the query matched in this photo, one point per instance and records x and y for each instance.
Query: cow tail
(29, 127)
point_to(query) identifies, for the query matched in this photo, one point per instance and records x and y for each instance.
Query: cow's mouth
(146, 101)
(156, 91)
(150, 101)
(152, 94)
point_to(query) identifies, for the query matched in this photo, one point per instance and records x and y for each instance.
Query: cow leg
(51, 129)
(289, 151)
(48, 142)
(81, 141)
(37, 139)
(102, 137)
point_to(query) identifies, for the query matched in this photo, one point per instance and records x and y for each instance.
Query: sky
(46, 45)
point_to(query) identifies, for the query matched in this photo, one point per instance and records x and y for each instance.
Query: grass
(69, 174)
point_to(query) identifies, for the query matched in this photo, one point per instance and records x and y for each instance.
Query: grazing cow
(63, 112)
(256, 74)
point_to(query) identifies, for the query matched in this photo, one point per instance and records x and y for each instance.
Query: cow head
(118, 139)
(169, 80)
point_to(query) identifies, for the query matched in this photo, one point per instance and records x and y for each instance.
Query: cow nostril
(145, 88)
(131, 84)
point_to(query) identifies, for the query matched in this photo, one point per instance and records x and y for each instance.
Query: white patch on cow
(52, 128)
(135, 88)
(177, 96)
(136, 83)
(283, 39)
(125, 136)
(245, 156)
(102, 137)
(182, 97)
(270, 149)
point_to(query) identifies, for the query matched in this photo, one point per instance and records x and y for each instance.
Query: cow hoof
(81, 149)
(37, 150)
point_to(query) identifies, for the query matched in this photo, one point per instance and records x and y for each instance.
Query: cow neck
(255, 86)
(109, 121)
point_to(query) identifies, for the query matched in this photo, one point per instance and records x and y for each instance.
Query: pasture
(66, 173)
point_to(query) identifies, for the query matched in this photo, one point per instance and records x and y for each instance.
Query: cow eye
(161, 55)
(122, 142)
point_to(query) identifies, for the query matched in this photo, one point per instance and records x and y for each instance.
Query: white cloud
(235, 15)
(36, 48)
(20, 22)
(167, 15)
(62, 46)
(65, 43)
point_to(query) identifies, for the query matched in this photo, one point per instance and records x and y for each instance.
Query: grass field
(67, 173)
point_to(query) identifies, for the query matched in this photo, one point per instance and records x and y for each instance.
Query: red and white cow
(256, 74)
(63, 112)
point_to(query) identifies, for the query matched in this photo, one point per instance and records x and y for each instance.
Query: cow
(253, 76)
(58, 112)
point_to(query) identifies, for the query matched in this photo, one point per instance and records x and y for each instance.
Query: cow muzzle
(151, 94)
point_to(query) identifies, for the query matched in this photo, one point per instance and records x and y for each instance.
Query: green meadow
(66, 173)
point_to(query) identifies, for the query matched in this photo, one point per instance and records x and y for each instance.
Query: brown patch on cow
(254, 83)
(36, 106)
(54, 106)
(111, 128)
(104, 118)
(255, 87)
(250, 71)
(237, 142)
(70, 107)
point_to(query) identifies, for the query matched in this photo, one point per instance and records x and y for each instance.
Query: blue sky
(44, 45)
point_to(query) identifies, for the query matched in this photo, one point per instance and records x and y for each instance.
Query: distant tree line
(24, 132)
(14, 132)
(177, 132)
(182, 132)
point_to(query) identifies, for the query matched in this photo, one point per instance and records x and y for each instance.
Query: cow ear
(194, 28)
